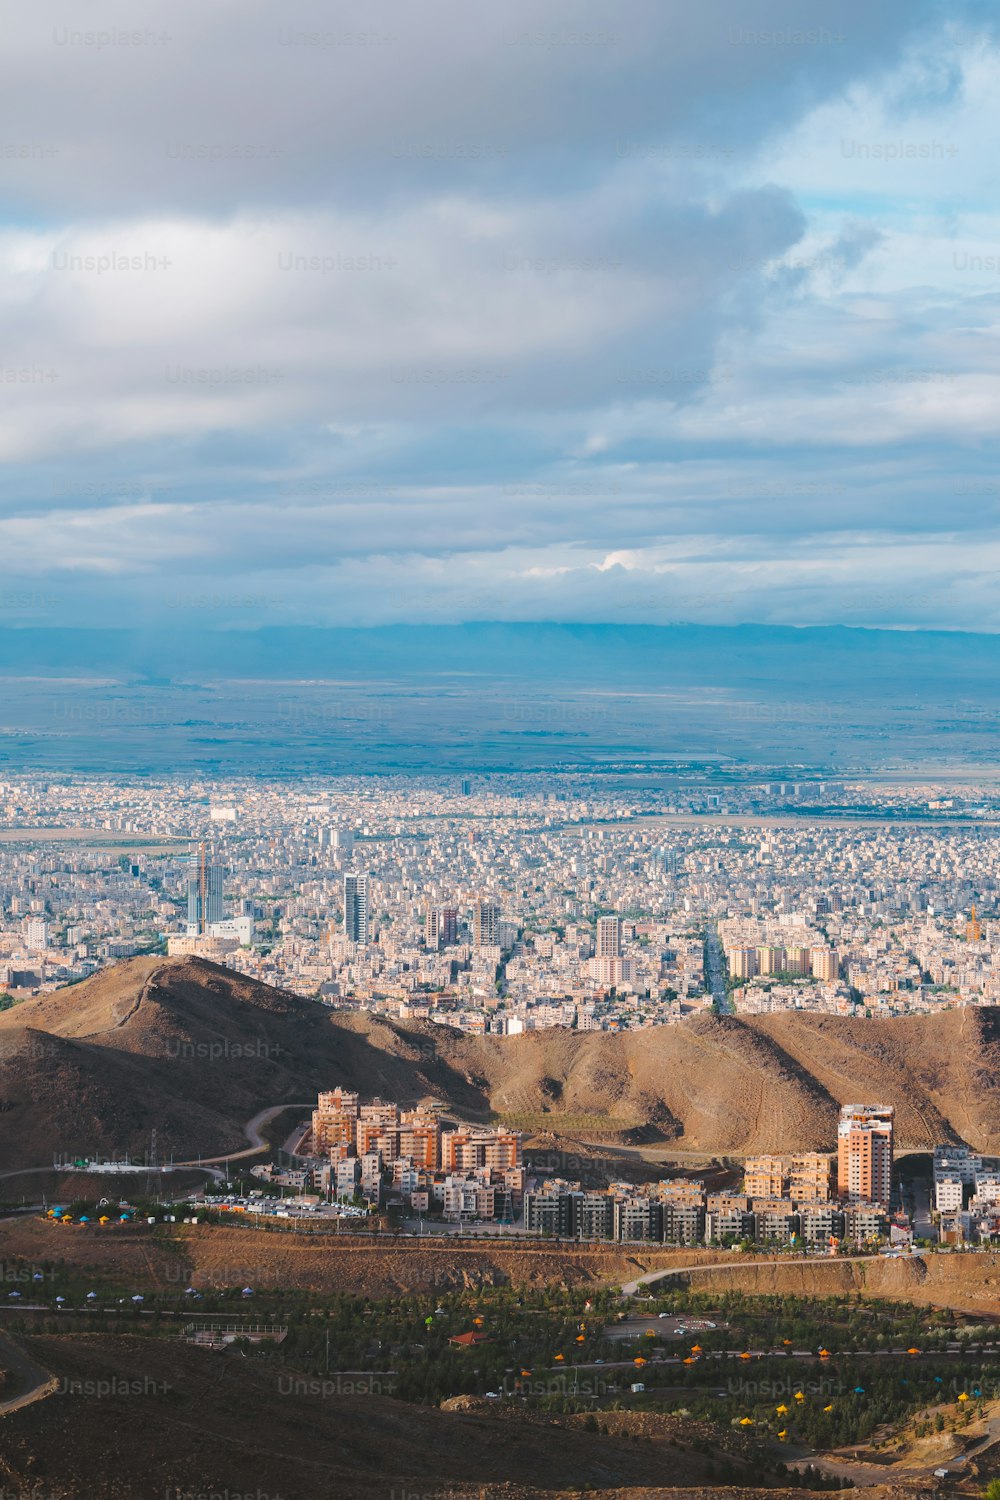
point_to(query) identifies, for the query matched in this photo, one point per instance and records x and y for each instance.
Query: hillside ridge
(195, 1050)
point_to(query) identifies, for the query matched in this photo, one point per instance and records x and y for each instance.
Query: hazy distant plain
(502, 698)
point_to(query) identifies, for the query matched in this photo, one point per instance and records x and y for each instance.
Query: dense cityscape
(494, 905)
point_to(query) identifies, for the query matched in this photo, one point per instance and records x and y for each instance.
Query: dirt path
(37, 1381)
(738, 1263)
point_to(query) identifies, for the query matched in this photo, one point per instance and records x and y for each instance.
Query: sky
(327, 314)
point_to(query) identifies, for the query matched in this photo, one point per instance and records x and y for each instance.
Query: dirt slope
(186, 1047)
(195, 1050)
(145, 1417)
(968, 1283)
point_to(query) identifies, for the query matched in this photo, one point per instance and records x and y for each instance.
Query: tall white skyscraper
(356, 909)
(36, 934)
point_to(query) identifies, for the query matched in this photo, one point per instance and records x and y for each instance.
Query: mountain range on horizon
(829, 655)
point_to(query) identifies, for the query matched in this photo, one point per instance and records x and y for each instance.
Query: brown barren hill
(184, 1046)
(196, 1050)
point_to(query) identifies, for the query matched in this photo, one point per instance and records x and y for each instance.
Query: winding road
(252, 1130)
(739, 1263)
(37, 1382)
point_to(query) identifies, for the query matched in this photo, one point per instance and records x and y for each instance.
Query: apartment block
(949, 1194)
(809, 1177)
(819, 1225)
(764, 1177)
(638, 1218)
(683, 1223)
(865, 1153)
(465, 1149)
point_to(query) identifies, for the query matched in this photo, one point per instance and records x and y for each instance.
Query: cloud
(530, 311)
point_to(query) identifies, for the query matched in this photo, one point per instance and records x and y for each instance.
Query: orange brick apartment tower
(864, 1153)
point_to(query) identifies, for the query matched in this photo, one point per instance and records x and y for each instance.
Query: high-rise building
(609, 937)
(342, 839)
(486, 925)
(770, 959)
(797, 961)
(742, 962)
(36, 934)
(440, 926)
(205, 902)
(420, 1139)
(356, 909)
(334, 1122)
(824, 963)
(864, 1153)
(448, 926)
